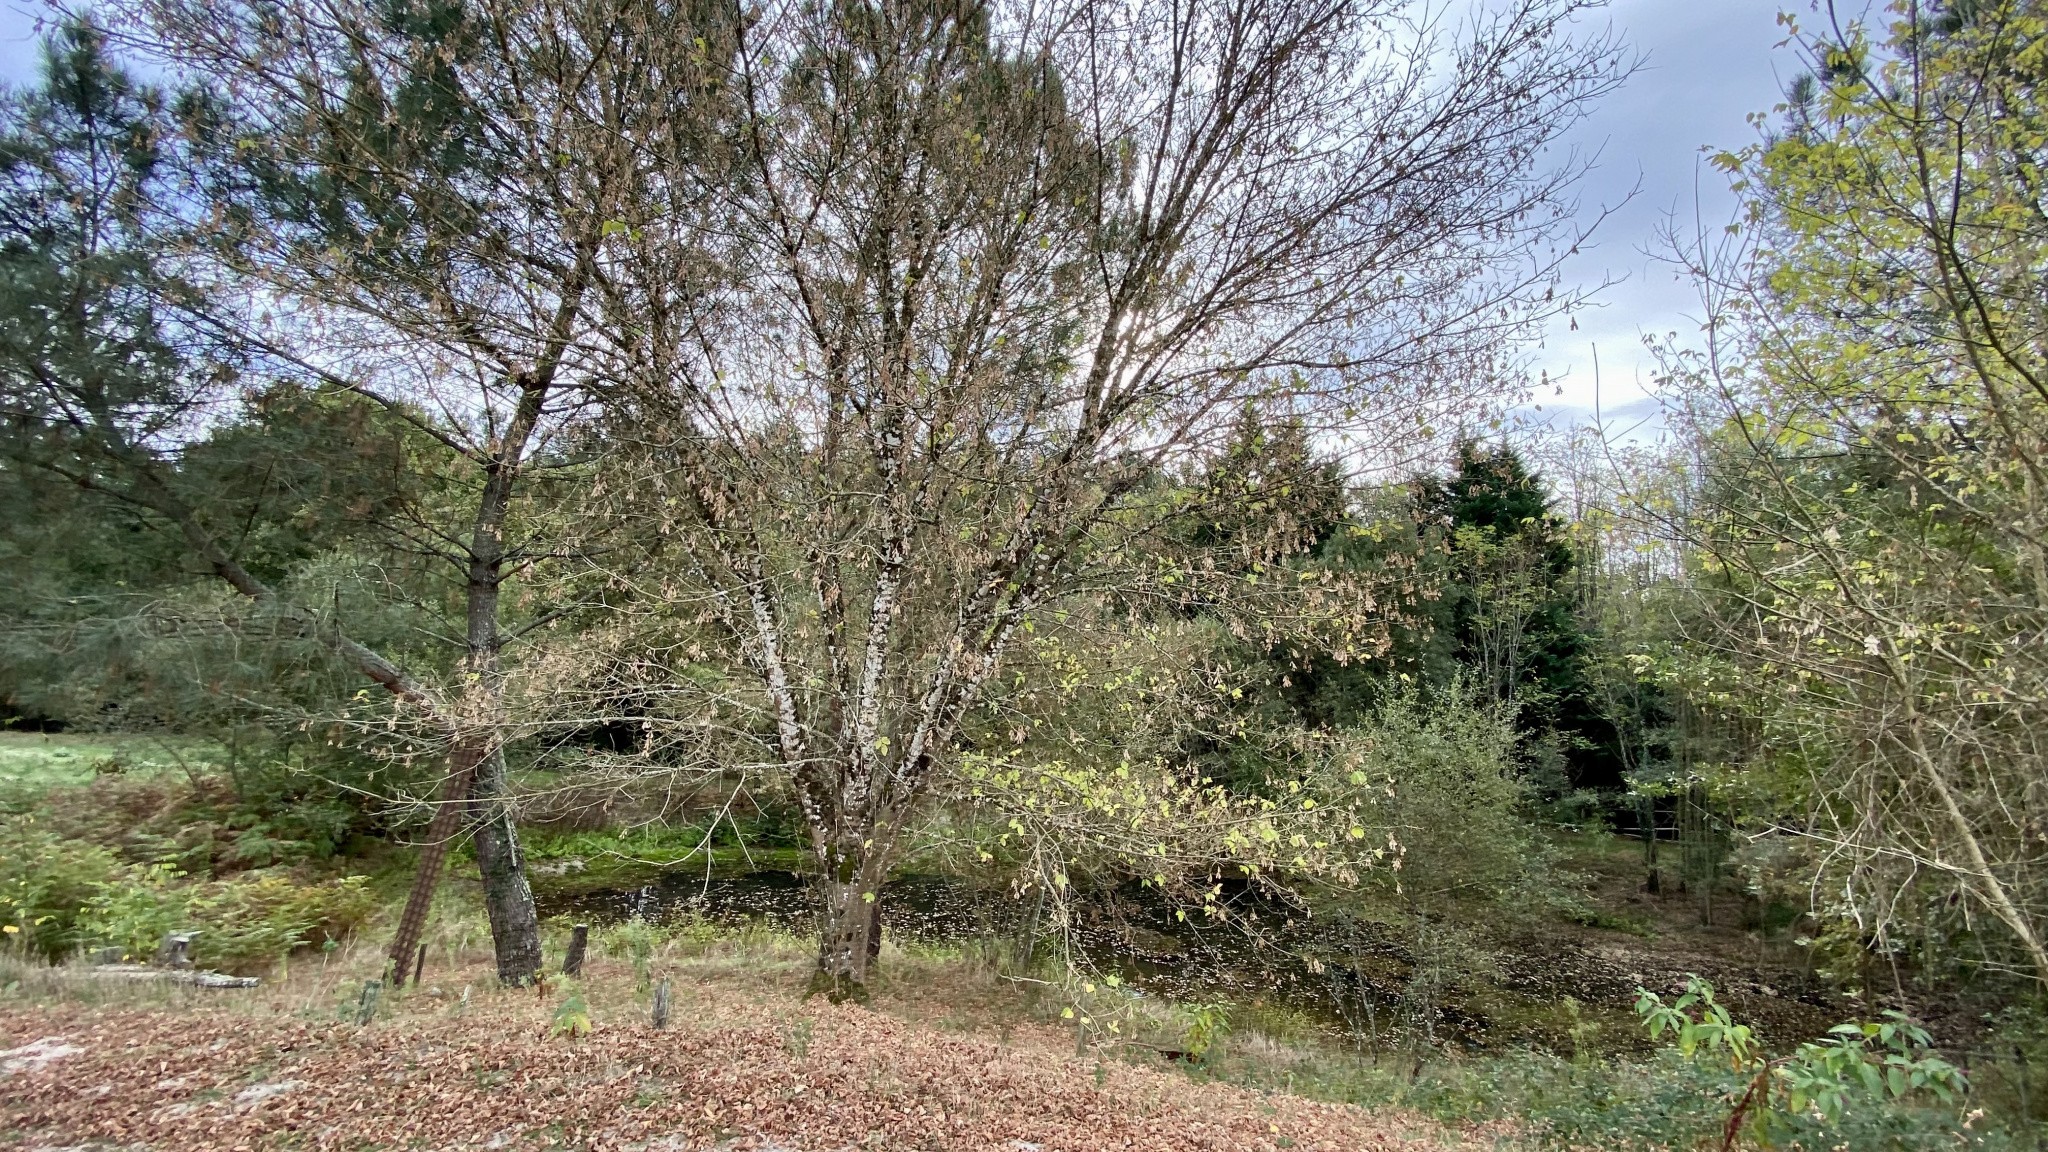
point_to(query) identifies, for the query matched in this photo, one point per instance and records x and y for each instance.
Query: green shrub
(1665, 1103)
(1673, 1102)
(637, 940)
(45, 883)
(135, 909)
(243, 924)
(203, 823)
(1862, 1069)
(1443, 772)
(1205, 1025)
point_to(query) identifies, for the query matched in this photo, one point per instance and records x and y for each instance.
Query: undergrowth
(119, 858)
(1663, 1101)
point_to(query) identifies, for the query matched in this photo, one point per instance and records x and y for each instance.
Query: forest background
(587, 440)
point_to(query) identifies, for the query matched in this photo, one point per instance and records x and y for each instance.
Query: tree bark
(844, 919)
(508, 898)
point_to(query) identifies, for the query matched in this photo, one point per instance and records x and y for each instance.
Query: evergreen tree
(1510, 613)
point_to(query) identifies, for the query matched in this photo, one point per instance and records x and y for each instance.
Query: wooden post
(579, 940)
(660, 1015)
(2019, 1055)
(419, 966)
(1030, 946)
(366, 1008)
(176, 951)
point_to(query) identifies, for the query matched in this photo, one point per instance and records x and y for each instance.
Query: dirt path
(810, 1078)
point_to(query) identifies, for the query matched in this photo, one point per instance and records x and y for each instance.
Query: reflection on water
(926, 909)
(1339, 971)
(1355, 976)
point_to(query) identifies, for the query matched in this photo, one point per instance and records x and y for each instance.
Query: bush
(637, 940)
(45, 884)
(1858, 1070)
(243, 924)
(1671, 1101)
(204, 823)
(1664, 1103)
(1453, 798)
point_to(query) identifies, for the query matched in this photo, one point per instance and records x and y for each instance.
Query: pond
(1349, 975)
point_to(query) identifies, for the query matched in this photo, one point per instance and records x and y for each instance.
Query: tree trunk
(875, 928)
(508, 899)
(844, 918)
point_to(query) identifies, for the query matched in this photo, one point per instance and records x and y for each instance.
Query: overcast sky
(17, 42)
(1707, 65)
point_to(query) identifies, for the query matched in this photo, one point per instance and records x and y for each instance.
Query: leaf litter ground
(737, 1073)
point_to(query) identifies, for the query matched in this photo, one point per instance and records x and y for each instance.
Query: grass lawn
(43, 760)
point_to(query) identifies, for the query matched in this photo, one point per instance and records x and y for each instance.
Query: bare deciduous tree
(998, 273)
